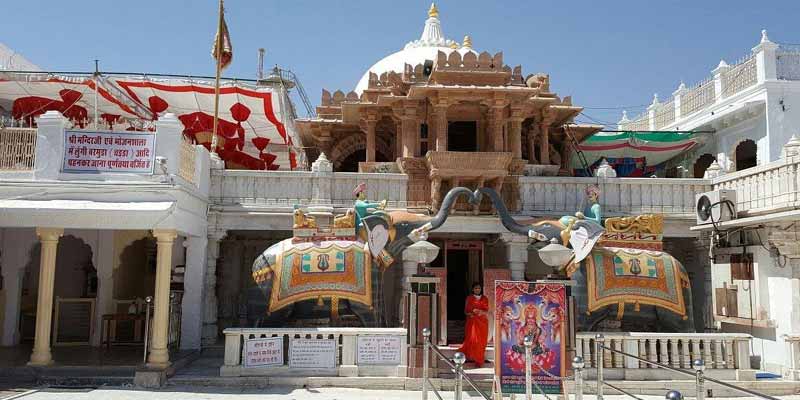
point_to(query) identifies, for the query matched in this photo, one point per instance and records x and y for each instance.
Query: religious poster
(539, 310)
(263, 352)
(379, 350)
(94, 152)
(312, 353)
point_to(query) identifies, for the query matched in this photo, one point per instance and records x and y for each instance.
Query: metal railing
(697, 365)
(457, 366)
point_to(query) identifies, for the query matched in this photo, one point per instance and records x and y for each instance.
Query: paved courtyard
(192, 393)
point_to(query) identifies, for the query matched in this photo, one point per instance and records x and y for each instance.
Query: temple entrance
(464, 263)
(462, 136)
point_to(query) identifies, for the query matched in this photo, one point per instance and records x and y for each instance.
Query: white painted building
(750, 113)
(752, 105)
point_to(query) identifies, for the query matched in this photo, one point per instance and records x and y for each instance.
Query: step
(450, 350)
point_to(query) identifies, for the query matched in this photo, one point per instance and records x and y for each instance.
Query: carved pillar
(369, 130)
(515, 136)
(410, 131)
(398, 138)
(440, 118)
(325, 139)
(496, 122)
(533, 133)
(159, 354)
(544, 132)
(516, 254)
(41, 355)
(210, 306)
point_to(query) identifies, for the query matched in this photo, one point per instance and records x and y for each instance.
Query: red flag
(225, 52)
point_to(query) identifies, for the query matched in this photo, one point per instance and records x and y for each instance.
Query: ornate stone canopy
(407, 103)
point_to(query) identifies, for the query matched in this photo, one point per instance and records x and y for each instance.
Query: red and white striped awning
(255, 129)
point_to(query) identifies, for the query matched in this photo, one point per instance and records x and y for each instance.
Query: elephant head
(405, 229)
(582, 233)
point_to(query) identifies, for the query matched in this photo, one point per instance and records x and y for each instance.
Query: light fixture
(555, 254)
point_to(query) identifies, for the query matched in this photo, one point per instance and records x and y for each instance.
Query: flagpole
(216, 81)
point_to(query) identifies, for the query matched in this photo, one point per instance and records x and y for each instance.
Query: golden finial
(433, 12)
(454, 45)
(467, 42)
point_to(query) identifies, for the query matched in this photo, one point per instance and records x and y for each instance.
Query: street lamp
(555, 255)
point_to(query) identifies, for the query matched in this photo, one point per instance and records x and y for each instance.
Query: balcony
(556, 196)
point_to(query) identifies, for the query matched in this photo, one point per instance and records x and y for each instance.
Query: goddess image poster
(539, 310)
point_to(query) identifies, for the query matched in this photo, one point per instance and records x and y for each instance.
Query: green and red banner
(648, 148)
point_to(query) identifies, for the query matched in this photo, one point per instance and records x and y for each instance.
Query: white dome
(410, 55)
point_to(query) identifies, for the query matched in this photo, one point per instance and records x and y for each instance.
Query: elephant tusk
(537, 236)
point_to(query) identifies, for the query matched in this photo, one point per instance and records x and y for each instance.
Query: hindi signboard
(263, 352)
(539, 310)
(378, 350)
(94, 152)
(312, 353)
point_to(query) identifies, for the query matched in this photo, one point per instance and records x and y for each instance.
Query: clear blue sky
(603, 53)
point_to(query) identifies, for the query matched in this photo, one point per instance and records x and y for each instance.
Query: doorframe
(450, 244)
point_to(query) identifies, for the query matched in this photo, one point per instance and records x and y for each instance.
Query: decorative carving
(648, 223)
(303, 221)
(539, 81)
(348, 220)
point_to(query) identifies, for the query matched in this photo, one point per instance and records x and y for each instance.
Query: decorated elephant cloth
(310, 270)
(620, 275)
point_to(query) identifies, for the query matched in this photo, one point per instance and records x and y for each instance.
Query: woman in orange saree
(476, 332)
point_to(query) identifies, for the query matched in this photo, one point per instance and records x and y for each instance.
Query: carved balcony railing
(739, 77)
(673, 197)
(284, 189)
(766, 188)
(17, 149)
(723, 353)
(186, 168)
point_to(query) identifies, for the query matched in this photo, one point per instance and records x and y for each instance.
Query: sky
(609, 55)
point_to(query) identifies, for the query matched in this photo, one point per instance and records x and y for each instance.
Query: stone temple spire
(432, 33)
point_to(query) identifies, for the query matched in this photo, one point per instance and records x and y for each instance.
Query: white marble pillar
(193, 292)
(41, 355)
(209, 330)
(159, 354)
(516, 254)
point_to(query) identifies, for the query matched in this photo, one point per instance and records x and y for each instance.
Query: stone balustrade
(346, 352)
(766, 188)
(287, 188)
(791, 369)
(725, 355)
(673, 197)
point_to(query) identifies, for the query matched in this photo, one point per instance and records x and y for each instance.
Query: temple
(447, 115)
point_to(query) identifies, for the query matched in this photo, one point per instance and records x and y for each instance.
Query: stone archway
(745, 155)
(701, 164)
(352, 150)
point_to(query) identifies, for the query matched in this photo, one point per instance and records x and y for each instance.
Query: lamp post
(555, 255)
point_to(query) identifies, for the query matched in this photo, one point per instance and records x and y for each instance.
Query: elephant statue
(298, 275)
(635, 286)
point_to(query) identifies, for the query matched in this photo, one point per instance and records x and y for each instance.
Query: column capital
(49, 234)
(165, 235)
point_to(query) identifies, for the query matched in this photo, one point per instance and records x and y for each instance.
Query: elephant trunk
(502, 211)
(444, 210)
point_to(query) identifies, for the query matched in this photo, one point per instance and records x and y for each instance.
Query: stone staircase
(483, 374)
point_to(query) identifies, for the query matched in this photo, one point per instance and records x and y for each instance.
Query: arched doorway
(746, 155)
(350, 163)
(75, 278)
(702, 164)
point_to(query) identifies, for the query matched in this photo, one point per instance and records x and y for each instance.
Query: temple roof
(418, 51)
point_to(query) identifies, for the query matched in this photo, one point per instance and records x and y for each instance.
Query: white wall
(783, 120)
